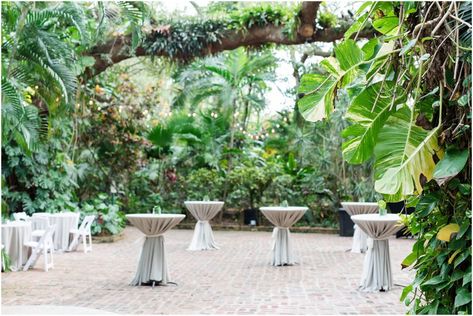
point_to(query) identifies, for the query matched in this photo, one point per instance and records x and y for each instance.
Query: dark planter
(346, 224)
(250, 214)
(400, 207)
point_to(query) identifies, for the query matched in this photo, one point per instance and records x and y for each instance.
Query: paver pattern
(237, 279)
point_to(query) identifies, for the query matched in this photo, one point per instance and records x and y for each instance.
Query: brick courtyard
(236, 279)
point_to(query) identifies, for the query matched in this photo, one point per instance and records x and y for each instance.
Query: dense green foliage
(126, 142)
(410, 110)
(119, 143)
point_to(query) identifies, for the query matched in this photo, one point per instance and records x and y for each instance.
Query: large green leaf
(369, 111)
(317, 102)
(387, 25)
(318, 91)
(463, 297)
(404, 153)
(450, 165)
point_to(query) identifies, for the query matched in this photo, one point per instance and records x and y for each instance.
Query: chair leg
(31, 261)
(51, 245)
(52, 260)
(45, 255)
(74, 242)
(84, 242)
(90, 242)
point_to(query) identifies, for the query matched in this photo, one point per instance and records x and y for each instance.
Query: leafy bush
(202, 182)
(5, 261)
(108, 218)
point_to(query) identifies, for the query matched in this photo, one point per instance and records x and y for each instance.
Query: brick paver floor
(237, 279)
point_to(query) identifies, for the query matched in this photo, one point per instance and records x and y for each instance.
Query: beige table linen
(152, 266)
(203, 211)
(65, 221)
(39, 223)
(282, 218)
(359, 244)
(377, 273)
(14, 236)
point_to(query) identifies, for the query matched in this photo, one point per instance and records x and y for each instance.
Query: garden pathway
(236, 279)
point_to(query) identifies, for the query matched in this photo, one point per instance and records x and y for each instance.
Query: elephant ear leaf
(317, 91)
(404, 153)
(369, 111)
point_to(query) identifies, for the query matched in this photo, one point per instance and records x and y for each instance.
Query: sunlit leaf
(317, 92)
(403, 153)
(369, 111)
(446, 232)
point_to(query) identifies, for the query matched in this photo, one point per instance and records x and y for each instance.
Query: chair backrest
(46, 236)
(21, 216)
(40, 222)
(86, 224)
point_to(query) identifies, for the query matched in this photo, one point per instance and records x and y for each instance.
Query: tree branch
(118, 48)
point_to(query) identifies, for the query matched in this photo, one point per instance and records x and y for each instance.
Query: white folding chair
(84, 232)
(21, 216)
(44, 246)
(39, 225)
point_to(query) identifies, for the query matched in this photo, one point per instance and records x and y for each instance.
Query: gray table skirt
(203, 237)
(359, 244)
(152, 263)
(377, 274)
(203, 211)
(282, 248)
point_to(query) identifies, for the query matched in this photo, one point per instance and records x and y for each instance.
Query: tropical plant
(6, 264)
(204, 182)
(108, 218)
(37, 49)
(407, 107)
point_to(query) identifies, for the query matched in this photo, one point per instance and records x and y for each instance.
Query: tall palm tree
(37, 65)
(235, 82)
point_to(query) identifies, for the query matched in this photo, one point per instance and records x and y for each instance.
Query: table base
(282, 248)
(203, 238)
(359, 244)
(377, 275)
(152, 266)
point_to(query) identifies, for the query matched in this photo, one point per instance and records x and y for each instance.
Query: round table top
(153, 225)
(376, 218)
(284, 208)
(205, 202)
(378, 227)
(155, 216)
(16, 224)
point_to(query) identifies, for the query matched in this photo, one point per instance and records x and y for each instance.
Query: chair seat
(78, 231)
(31, 244)
(38, 233)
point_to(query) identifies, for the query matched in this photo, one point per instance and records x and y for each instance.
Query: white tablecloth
(64, 223)
(14, 236)
(282, 218)
(377, 273)
(203, 211)
(152, 264)
(359, 244)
